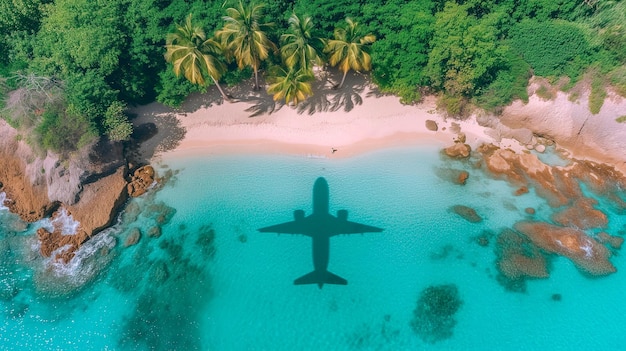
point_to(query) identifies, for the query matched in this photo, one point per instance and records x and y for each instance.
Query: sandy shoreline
(354, 120)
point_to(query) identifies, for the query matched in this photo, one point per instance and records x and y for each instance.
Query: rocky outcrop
(143, 178)
(458, 150)
(572, 126)
(581, 215)
(95, 210)
(561, 187)
(587, 253)
(90, 187)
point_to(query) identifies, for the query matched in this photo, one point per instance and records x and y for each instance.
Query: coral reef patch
(433, 317)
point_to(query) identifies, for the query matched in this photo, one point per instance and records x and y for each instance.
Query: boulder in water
(468, 213)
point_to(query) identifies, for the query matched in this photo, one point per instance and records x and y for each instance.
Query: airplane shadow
(320, 225)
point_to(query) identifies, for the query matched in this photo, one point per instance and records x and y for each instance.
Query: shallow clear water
(212, 282)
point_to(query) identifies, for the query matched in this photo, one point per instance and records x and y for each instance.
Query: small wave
(60, 278)
(314, 156)
(64, 221)
(3, 198)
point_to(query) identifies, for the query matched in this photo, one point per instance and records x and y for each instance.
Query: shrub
(65, 131)
(510, 84)
(598, 92)
(172, 91)
(552, 48)
(116, 124)
(454, 106)
(617, 78)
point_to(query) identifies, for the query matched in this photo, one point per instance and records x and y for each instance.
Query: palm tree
(292, 85)
(349, 50)
(299, 48)
(243, 37)
(195, 55)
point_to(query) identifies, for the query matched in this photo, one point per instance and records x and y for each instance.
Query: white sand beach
(352, 120)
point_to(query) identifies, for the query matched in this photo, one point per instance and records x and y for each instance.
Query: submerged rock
(433, 317)
(468, 213)
(586, 253)
(518, 258)
(133, 237)
(154, 232)
(614, 241)
(581, 214)
(462, 178)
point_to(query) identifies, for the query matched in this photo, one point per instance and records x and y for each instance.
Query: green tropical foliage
(193, 55)
(107, 54)
(299, 49)
(293, 85)
(349, 49)
(244, 38)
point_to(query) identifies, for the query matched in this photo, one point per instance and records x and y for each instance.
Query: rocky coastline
(89, 188)
(92, 187)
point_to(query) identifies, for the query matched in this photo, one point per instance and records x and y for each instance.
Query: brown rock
(518, 258)
(461, 138)
(529, 210)
(57, 239)
(518, 266)
(28, 201)
(586, 253)
(458, 150)
(521, 190)
(468, 213)
(154, 232)
(431, 125)
(141, 181)
(133, 237)
(614, 241)
(581, 215)
(462, 178)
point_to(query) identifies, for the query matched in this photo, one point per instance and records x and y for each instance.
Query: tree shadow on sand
(325, 97)
(157, 130)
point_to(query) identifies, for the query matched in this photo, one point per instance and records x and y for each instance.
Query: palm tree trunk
(256, 78)
(343, 79)
(226, 98)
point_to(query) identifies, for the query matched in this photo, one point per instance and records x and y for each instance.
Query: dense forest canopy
(69, 68)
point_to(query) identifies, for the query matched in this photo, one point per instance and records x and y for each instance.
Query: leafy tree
(327, 13)
(117, 126)
(400, 53)
(65, 130)
(349, 49)
(243, 37)
(550, 47)
(196, 56)
(290, 84)
(465, 51)
(173, 90)
(299, 49)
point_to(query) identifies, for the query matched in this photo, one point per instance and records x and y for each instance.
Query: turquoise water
(212, 282)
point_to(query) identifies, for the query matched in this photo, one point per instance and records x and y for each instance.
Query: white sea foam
(588, 248)
(64, 221)
(3, 198)
(86, 261)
